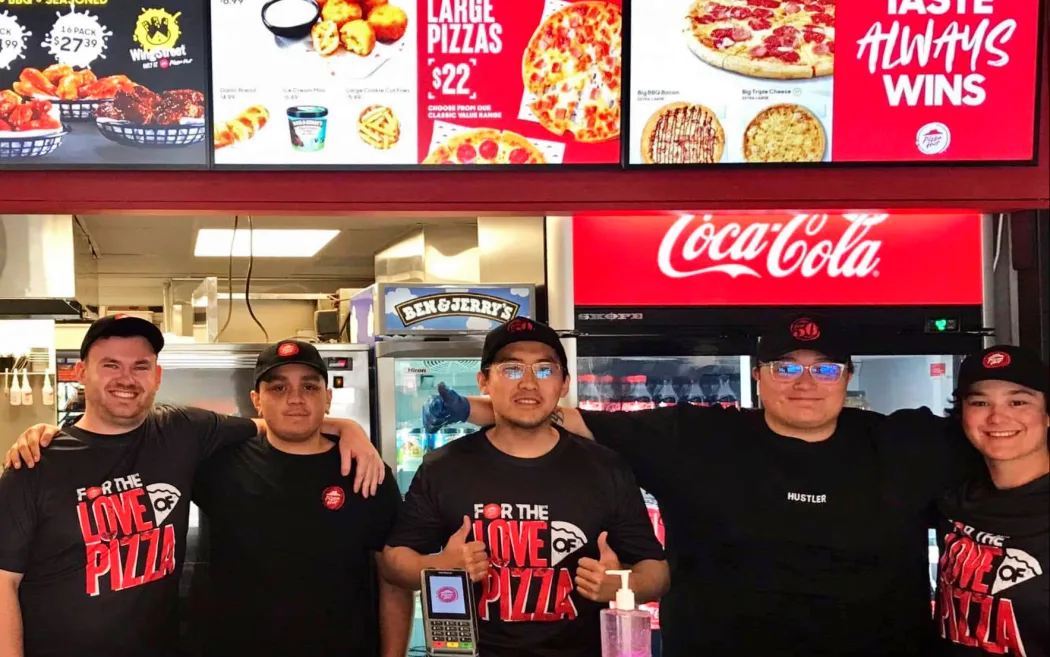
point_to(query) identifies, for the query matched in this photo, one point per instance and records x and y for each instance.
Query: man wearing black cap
(994, 532)
(92, 539)
(800, 528)
(535, 514)
(292, 550)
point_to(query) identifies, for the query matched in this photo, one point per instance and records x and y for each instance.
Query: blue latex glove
(445, 408)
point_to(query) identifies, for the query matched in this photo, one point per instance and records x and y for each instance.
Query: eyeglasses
(516, 371)
(789, 370)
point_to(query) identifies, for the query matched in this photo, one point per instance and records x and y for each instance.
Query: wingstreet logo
(157, 32)
(432, 306)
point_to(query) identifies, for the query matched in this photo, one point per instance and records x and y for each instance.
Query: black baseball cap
(521, 329)
(808, 331)
(289, 352)
(121, 326)
(1003, 363)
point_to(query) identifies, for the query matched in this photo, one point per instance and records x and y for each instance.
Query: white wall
(891, 383)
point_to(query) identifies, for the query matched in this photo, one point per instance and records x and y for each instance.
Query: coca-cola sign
(777, 259)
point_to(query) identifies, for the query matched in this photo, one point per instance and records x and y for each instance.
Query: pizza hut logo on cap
(996, 359)
(121, 316)
(804, 329)
(287, 349)
(447, 594)
(333, 498)
(517, 325)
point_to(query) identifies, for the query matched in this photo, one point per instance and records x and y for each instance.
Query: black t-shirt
(98, 529)
(537, 517)
(780, 547)
(992, 592)
(291, 554)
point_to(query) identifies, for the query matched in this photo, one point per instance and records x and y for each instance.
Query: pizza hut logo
(804, 329)
(287, 349)
(933, 139)
(333, 498)
(771, 247)
(447, 594)
(996, 359)
(519, 325)
(121, 316)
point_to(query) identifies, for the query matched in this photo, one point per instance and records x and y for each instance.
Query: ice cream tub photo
(308, 125)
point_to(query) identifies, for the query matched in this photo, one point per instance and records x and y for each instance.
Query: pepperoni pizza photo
(778, 39)
(716, 82)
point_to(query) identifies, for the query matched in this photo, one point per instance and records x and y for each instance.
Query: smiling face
(120, 378)
(519, 396)
(1005, 421)
(801, 402)
(293, 400)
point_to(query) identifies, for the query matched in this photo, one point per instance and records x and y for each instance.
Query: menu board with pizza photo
(374, 83)
(812, 81)
(103, 84)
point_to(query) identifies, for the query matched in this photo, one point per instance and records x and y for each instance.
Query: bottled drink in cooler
(726, 396)
(665, 394)
(710, 384)
(589, 398)
(694, 395)
(637, 397)
(607, 394)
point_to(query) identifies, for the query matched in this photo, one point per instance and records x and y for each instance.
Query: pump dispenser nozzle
(625, 596)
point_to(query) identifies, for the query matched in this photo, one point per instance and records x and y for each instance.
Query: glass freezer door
(415, 381)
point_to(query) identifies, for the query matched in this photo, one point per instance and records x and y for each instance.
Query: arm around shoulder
(11, 641)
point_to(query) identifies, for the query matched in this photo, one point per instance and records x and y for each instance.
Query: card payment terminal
(449, 620)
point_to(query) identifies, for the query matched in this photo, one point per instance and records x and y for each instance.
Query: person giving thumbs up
(591, 580)
(470, 556)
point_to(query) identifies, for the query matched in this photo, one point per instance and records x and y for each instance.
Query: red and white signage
(777, 259)
(929, 77)
(759, 81)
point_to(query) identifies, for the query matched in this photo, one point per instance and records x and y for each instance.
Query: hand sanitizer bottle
(625, 630)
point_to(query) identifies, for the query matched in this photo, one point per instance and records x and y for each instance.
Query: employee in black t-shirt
(800, 528)
(92, 538)
(534, 513)
(292, 549)
(992, 592)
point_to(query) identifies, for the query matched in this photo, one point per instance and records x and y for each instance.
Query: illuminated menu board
(760, 81)
(103, 84)
(312, 83)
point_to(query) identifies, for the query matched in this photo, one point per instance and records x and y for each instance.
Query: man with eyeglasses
(800, 528)
(535, 514)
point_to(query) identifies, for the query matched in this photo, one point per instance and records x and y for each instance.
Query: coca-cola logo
(771, 247)
(804, 329)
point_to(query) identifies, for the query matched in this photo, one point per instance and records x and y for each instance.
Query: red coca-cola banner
(777, 259)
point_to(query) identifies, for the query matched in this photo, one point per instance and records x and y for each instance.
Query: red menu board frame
(545, 191)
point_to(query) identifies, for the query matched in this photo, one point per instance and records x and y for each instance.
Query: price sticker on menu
(77, 39)
(12, 39)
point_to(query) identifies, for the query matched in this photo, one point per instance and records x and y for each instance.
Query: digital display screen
(299, 83)
(447, 596)
(778, 81)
